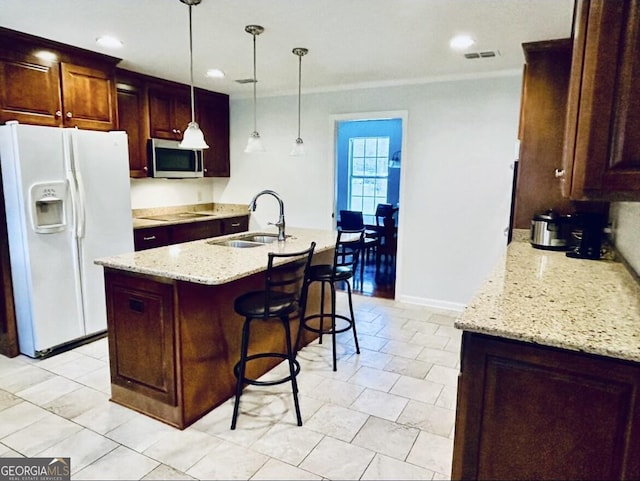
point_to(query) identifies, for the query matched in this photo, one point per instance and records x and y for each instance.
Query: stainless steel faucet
(280, 223)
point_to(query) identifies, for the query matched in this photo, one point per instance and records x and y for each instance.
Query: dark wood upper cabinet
(602, 138)
(71, 88)
(543, 110)
(133, 117)
(169, 110)
(212, 114)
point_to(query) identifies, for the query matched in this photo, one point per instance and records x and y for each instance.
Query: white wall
(456, 184)
(150, 193)
(625, 219)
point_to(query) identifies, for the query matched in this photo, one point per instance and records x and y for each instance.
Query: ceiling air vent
(484, 54)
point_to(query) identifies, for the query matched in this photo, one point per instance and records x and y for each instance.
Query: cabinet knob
(58, 114)
(69, 115)
(204, 170)
(559, 173)
(145, 168)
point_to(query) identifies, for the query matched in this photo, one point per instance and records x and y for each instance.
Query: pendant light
(298, 146)
(254, 144)
(193, 137)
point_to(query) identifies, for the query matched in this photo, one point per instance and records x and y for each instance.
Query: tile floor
(387, 413)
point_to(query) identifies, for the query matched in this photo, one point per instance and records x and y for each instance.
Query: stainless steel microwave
(169, 161)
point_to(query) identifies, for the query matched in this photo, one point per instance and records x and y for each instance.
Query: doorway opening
(367, 181)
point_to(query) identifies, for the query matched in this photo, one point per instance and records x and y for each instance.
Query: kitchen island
(173, 334)
(549, 385)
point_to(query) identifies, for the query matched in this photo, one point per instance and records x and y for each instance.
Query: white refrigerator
(67, 200)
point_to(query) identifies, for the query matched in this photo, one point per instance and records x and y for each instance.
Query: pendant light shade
(193, 137)
(255, 143)
(298, 146)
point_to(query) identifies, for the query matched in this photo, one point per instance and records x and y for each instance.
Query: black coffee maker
(589, 233)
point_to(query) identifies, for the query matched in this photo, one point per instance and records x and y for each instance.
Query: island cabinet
(48, 83)
(527, 411)
(602, 137)
(173, 343)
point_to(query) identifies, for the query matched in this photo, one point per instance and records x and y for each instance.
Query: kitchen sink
(246, 240)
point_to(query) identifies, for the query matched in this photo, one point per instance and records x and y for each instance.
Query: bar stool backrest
(349, 243)
(285, 275)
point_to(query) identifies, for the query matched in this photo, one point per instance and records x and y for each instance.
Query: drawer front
(235, 224)
(150, 237)
(195, 230)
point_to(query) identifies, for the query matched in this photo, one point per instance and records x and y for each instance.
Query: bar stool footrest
(324, 317)
(274, 382)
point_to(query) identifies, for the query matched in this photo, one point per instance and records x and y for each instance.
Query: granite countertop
(545, 297)
(192, 213)
(204, 263)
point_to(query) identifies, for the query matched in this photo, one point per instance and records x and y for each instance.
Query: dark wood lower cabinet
(532, 412)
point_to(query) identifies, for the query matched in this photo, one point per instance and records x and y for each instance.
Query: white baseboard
(453, 307)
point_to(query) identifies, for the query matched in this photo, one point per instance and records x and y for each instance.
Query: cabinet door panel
(602, 140)
(141, 347)
(534, 412)
(30, 92)
(195, 230)
(133, 118)
(89, 98)
(160, 117)
(150, 237)
(213, 116)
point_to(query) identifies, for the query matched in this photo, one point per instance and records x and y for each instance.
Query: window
(368, 172)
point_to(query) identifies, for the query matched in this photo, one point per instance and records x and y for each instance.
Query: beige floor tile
(121, 463)
(418, 389)
(403, 349)
(429, 340)
(433, 419)
(98, 349)
(46, 391)
(432, 452)
(408, 367)
(290, 444)
(23, 377)
(105, 417)
(17, 417)
(337, 392)
(7, 452)
(228, 461)
(443, 375)
(78, 367)
(76, 402)
(83, 447)
(182, 449)
(7, 399)
(140, 432)
(335, 459)
(275, 470)
(386, 468)
(386, 437)
(374, 378)
(370, 358)
(337, 421)
(47, 431)
(100, 379)
(447, 398)
(380, 404)
(166, 473)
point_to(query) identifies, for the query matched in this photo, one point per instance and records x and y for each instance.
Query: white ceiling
(351, 42)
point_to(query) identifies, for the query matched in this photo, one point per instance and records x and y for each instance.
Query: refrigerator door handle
(78, 187)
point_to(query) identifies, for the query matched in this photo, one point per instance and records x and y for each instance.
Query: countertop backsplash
(625, 221)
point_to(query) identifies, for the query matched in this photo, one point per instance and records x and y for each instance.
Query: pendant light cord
(255, 81)
(193, 107)
(299, 89)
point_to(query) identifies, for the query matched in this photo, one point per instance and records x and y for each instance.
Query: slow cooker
(550, 230)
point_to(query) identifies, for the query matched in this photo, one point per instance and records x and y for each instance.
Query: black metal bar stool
(283, 295)
(349, 245)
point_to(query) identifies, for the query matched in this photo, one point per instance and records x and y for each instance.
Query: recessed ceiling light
(46, 55)
(461, 42)
(109, 41)
(215, 73)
